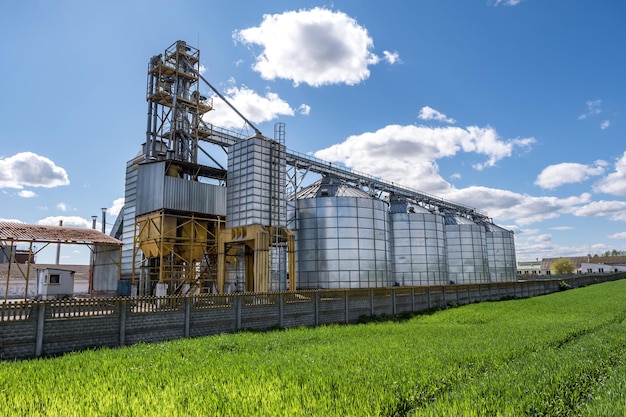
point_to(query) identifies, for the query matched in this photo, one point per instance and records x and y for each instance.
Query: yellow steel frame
(258, 239)
(179, 244)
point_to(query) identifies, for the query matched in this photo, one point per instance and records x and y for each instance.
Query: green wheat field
(562, 354)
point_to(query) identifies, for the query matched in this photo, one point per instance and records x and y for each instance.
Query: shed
(12, 234)
(55, 283)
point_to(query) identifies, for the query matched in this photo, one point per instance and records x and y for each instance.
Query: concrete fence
(47, 328)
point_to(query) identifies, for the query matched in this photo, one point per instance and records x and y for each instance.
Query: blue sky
(514, 107)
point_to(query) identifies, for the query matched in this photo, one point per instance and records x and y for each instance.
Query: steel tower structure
(175, 106)
(176, 214)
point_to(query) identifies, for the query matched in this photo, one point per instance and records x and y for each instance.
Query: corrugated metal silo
(466, 244)
(418, 245)
(342, 237)
(501, 253)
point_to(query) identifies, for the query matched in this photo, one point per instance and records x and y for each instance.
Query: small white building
(55, 283)
(593, 268)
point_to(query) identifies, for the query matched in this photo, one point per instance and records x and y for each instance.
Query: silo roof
(456, 220)
(491, 227)
(331, 187)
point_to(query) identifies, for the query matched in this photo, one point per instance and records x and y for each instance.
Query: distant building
(19, 256)
(529, 268)
(600, 268)
(588, 264)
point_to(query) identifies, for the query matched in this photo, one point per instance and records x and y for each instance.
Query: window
(54, 279)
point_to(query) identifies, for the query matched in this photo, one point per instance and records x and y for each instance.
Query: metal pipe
(104, 219)
(93, 222)
(59, 247)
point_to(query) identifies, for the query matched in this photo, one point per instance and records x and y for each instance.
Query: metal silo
(342, 237)
(466, 248)
(500, 253)
(418, 245)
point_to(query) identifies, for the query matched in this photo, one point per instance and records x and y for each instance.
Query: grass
(555, 355)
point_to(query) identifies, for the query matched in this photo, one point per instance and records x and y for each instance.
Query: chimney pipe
(104, 219)
(59, 246)
(93, 222)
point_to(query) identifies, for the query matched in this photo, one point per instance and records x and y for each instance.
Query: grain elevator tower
(176, 206)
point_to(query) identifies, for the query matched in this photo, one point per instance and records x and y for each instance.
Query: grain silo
(418, 245)
(342, 237)
(466, 248)
(500, 253)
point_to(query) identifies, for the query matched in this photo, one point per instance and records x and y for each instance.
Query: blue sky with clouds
(515, 107)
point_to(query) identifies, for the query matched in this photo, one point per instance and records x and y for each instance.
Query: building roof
(546, 263)
(21, 232)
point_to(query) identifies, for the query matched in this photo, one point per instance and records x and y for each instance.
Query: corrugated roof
(331, 187)
(21, 232)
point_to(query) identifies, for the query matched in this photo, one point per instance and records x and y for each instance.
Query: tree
(562, 266)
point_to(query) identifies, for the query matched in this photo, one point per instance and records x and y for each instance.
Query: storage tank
(418, 245)
(466, 249)
(342, 237)
(500, 253)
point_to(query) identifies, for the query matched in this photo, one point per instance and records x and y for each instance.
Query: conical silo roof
(331, 187)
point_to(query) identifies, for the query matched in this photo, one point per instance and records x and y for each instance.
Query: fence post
(187, 306)
(316, 306)
(412, 300)
(393, 301)
(122, 306)
(280, 310)
(428, 297)
(346, 307)
(238, 302)
(41, 316)
(371, 302)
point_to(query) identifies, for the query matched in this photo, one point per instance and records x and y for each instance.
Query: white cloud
(304, 109)
(256, 108)
(620, 235)
(556, 175)
(428, 113)
(62, 206)
(562, 228)
(115, 209)
(605, 124)
(316, 47)
(506, 2)
(522, 208)
(391, 57)
(593, 108)
(29, 169)
(27, 194)
(414, 151)
(615, 182)
(10, 220)
(614, 210)
(68, 221)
